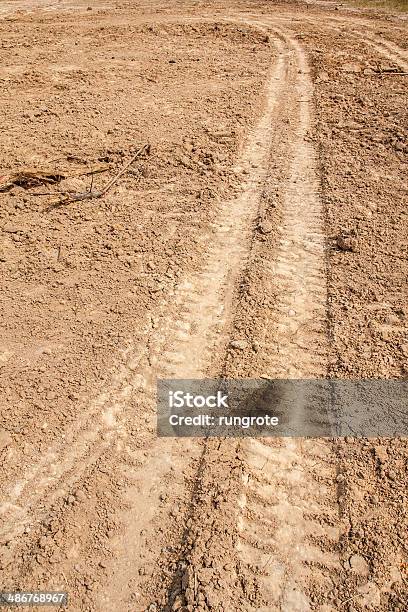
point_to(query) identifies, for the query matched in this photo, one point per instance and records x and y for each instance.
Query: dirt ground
(261, 231)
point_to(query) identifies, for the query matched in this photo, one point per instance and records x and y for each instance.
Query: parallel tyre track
(286, 530)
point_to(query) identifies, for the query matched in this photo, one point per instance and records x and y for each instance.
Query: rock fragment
(241, 345)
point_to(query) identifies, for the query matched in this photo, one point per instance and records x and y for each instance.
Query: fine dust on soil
(264, 235)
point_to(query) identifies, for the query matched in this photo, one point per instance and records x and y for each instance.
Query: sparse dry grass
(392, 5)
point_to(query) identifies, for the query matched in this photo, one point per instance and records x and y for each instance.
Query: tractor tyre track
(262, 528)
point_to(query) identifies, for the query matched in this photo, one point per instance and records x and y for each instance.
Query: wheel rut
(265, 526)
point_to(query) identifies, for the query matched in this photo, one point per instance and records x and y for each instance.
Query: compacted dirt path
(262, 235)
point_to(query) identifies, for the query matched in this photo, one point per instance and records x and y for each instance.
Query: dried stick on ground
(110, 183)
(90, 195)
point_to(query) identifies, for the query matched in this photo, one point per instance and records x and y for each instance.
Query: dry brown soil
(263, 233)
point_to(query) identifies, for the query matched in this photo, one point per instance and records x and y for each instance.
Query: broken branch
(91, 195)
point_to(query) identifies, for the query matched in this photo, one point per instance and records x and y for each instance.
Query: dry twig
(90, 195)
